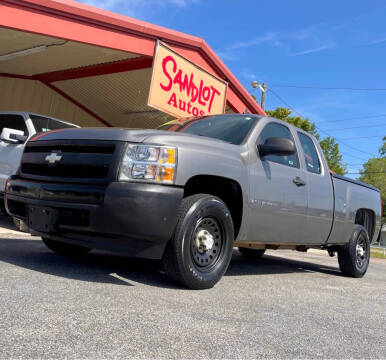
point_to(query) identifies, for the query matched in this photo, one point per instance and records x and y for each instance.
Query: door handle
(299, 182)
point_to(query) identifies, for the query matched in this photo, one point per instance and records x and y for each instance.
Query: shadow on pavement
(269, 264)
(115, 269)
(6, 223)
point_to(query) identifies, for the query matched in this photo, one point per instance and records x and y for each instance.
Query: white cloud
(248, 75)
(296, 43)
(376, 41)
(314, 49)
(271, 36)
(104, 4)
(138, 8)
(226, 56)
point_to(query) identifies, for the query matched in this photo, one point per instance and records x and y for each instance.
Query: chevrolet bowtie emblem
(53, 158)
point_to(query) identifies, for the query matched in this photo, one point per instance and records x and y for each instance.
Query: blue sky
(339, 44)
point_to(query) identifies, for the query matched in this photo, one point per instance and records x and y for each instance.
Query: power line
(297, 112)
(365, 173)
(328, 88)
(355, 118)
(344, 144)
(357, 127)
(354, 157)
(361, 137)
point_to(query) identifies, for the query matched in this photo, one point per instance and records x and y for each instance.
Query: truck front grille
(73, 148)
(66, 171)
(82, 161)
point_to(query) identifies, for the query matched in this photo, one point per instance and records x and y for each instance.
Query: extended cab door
(319, 191)
(279, 193)
(10, 154)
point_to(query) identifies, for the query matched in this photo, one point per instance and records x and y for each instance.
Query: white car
(15, 129)
(382, 239)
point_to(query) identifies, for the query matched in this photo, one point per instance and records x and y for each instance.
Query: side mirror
(13, 136)
(277, 146)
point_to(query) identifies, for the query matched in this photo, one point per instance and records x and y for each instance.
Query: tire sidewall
(214, 207)
(360, 230)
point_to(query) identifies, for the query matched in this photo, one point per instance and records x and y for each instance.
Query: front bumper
(132, 218)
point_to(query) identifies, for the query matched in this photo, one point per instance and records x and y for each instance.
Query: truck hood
(112, 134)
(129, 135)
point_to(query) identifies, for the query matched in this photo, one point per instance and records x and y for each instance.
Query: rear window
(44, 124)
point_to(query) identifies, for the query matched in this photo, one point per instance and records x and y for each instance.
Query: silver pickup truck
(191, 191)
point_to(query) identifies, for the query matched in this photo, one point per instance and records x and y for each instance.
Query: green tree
(382, 150)
(334, 158)
(374, 173)
(329, 146)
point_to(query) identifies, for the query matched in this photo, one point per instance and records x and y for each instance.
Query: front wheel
(65, 249)
(354, 257)
(201, 249)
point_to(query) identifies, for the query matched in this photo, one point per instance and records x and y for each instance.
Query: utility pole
(264, 86)
(263, 89)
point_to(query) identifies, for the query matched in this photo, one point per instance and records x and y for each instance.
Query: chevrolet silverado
(190, 191)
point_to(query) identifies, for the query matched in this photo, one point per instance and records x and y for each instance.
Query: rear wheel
(201, 249)
(354, 257)
(65, 249)
(252, 253)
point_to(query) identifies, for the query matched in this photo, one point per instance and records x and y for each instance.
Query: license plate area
(42, 219)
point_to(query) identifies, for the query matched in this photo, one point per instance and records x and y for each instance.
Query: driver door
(279, 205)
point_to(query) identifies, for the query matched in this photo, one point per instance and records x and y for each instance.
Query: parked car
(190, 191)
(382, 237)
(15, 128)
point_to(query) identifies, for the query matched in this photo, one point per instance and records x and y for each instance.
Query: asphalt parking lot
(286, 305)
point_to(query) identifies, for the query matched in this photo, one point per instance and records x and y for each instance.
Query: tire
(65, 249)
(252, 253)
(354, 257)
(20, 225)
(200, 251)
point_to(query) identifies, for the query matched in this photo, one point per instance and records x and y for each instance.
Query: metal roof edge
(70, 8)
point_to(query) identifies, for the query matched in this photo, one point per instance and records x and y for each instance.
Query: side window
(310, 154)
(44, 124)
(13, 121)
(278, 130)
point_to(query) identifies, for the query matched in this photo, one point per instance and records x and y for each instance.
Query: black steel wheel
(201, 249)
(206, 242)
(354, 257)
(64, 248)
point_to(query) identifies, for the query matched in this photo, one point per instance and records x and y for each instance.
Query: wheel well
(366, 218)
(226, 189)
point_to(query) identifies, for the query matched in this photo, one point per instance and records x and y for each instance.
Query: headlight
(149, 163)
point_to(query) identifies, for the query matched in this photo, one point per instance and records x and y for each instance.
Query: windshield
(44, 124)
(230, 128)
